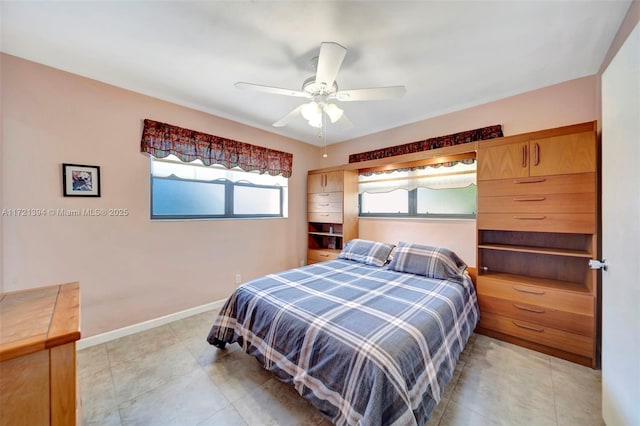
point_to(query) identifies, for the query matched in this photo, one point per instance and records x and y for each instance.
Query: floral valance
(161, 140)
(483, 133)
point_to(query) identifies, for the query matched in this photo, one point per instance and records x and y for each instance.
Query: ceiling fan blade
(329, 62)
(269, 89)
(372, 94)
(285, 120)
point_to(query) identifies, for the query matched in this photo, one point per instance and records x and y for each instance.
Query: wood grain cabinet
(38, 331)
(537, 229)
(332, 212)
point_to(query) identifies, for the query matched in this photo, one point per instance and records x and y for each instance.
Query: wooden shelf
(325, 234)
(539, 282)
(538, 250)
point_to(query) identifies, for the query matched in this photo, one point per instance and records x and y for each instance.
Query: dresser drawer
(321, 255)
(567, 301)
(578, 223)
(548, 336)
(324, 217)
(543, 185)
(554, 203)
(323, 207)
(325, 197)
(549, 317)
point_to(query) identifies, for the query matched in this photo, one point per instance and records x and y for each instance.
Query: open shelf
(539, 250)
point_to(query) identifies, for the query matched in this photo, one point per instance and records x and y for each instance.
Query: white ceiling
(450, 55)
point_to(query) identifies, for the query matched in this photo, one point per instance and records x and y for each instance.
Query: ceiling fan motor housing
(319, 89)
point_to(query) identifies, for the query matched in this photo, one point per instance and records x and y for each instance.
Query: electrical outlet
(238, 279)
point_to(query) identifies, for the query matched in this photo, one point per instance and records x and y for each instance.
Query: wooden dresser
(332, 212)
(537, 229)
(38, 331)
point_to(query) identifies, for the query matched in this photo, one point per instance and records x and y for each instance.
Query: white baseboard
(146, 325)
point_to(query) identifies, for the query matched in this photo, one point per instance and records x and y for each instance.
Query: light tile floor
(170, 375)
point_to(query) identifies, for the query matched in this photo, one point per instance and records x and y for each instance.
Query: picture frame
(80, 180)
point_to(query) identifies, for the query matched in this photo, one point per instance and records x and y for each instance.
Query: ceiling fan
(322, 88)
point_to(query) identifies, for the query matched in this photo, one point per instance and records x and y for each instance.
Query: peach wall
(436, 232)
(567, 103)
(130, 269)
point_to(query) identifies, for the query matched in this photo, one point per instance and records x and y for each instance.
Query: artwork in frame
(80, 180)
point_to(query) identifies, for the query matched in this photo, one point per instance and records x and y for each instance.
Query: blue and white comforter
(364, 344)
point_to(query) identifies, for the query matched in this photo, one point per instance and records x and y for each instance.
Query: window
(194, 191)
(427, 191)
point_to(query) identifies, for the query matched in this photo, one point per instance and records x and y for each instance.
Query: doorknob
(597, 264)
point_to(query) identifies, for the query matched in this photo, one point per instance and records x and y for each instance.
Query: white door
(621, 236)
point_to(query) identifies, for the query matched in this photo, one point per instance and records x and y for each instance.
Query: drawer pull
(529, 198)
(324, 205)
(324, 214)
(524, 290)
(528, 327)
(529, 180)
(323, 255)
(324, 195)
(530, 217)
(528, 309)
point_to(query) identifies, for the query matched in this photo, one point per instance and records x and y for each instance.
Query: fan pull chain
(323, 134)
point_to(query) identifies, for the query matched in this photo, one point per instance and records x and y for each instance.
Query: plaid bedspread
(366, 345)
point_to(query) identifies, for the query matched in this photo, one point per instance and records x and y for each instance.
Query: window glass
(176, 197)
(393, 202)
(256, 200)
(457, 201)
(442, 191)
(191, 190)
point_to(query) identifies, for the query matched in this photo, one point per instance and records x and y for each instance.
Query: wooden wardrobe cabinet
(325, 182)
(537, 229)
(538, 156)
(332, 212)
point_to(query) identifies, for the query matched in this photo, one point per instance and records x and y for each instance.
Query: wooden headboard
(473, 273)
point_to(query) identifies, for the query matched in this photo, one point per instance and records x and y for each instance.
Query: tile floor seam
(113, 383)
(553, 393)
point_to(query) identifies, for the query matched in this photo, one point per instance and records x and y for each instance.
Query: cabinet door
(333, 182)
(503, 161)
(575, 153)
(315, 183)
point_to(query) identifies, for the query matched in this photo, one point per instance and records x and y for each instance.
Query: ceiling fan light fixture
(316, 122)
(334, 112)
(311, 111)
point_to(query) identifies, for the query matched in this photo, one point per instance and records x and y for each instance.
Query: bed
(367, 342)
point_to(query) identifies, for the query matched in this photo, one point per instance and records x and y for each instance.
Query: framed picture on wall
(80, 180)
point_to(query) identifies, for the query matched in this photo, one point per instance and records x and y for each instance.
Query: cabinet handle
(325, 194)
(524, 290)
(324, 205)
(529, 198)
(323, 255)
(530, 217)
(324, 214)
(536, 154)
(529, 180)
(528, 327)
(528, 309)
(524, 156)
